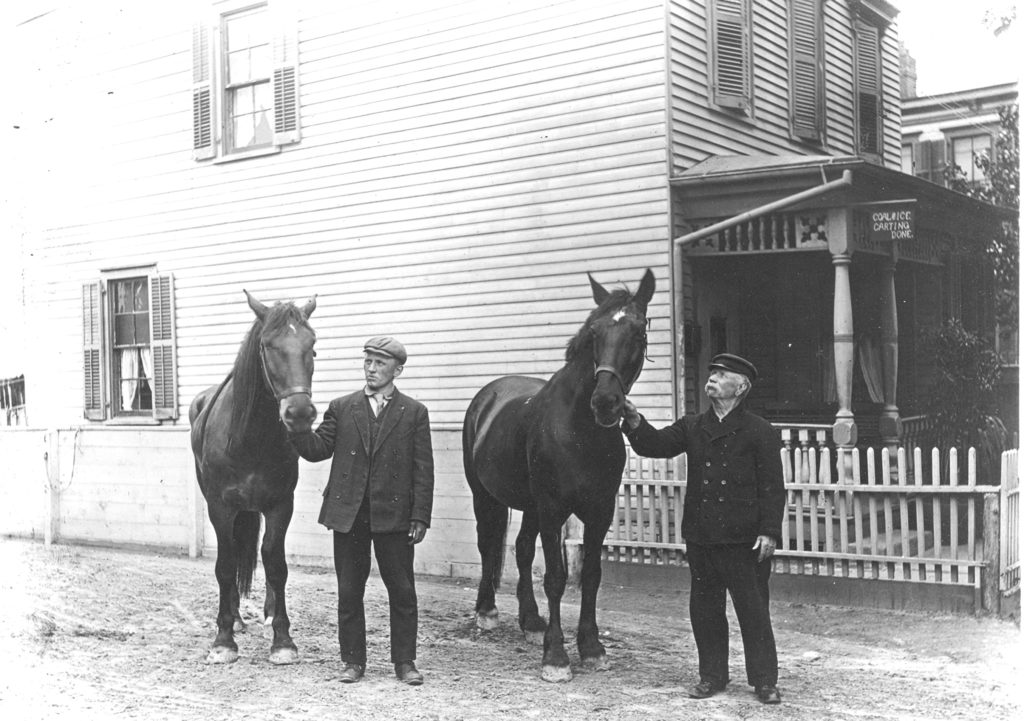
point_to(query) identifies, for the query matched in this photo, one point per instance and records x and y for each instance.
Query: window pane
(124, 330)
(141, 328)
(242, 103)
(907, 160)
(141, 295)
(239, 67)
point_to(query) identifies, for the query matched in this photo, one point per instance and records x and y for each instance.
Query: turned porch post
(844, 430)
(889, 425)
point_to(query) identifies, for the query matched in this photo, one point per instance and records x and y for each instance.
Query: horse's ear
(307, 310)
(646, 290)
(258, 308)
(599, 292)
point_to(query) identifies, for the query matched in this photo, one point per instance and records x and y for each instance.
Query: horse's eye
(314, 354)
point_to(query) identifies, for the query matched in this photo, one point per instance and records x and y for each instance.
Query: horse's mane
(254, 422)
(580, 345)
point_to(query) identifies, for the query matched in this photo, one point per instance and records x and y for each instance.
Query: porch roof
(725, 185)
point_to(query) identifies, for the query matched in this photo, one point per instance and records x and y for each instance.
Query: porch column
(844, 430)
(889, 425)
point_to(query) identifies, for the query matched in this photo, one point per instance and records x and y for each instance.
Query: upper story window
(128, 347)
(807, 70)
(965, 150)
(907, 159)
(245, 98)
(871, 18)
(731, 54)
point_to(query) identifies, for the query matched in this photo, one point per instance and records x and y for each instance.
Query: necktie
(378, 403)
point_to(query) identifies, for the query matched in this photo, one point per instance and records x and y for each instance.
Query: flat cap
(730, 362)
(388, 346)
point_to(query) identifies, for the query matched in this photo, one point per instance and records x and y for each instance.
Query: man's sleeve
(422, 470)
(667, 442)
(771, 489)
(318, 445)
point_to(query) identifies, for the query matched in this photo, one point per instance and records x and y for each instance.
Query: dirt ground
(99, 634)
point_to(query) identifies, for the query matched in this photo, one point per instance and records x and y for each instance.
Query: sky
(954, 49)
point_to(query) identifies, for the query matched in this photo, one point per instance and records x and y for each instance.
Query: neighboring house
(448, 172)
(950, 130)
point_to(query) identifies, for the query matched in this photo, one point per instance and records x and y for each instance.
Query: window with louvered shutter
(868, 88)
(731, 49)
(807, 69)
(202, 94)
(245, 95)
(93, 361)
(162, 343)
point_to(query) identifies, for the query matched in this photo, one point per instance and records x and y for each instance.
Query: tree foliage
(964, 395)
(1001, 170)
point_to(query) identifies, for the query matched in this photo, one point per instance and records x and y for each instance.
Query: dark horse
(550, 450)
(246, 467)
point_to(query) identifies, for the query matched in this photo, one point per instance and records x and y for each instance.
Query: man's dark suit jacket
(398, 470)
(734, 484)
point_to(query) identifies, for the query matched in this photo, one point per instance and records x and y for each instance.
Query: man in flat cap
(732, 521)
(380, 491)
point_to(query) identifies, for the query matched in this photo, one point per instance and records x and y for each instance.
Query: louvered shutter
(202, 94)
(805, 29)
(869, 95)
(286, 77)
(162, 342)
(94, 407)
(731, 40)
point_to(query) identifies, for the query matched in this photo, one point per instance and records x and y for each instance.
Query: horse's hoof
(534, 638)
(284, 656)
(597, 663)
(487, 620)
(556, 674)
(268, 628)
(220, 654)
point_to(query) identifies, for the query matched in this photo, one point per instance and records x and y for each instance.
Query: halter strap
(289, 391)
(626, 387)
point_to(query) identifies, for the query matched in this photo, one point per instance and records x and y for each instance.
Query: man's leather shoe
(407, 673)
(351, 673)
(768, 694)
(706, 689)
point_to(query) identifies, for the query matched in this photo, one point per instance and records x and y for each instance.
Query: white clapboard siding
(462, 167)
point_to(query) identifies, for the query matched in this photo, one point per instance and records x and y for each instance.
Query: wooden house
(447, 172)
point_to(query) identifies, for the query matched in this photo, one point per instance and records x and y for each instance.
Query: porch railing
(880, 516)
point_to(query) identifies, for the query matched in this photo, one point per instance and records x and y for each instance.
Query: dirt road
(100, 634)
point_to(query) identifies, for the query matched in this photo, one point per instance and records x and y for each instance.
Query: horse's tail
(246, 541)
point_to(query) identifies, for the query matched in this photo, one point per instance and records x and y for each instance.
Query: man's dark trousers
(715, 569)
(352, 565)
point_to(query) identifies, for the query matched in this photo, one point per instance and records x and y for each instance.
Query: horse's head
(286, 356)
(619, 330)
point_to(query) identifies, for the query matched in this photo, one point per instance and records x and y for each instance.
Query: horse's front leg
(282, 649)
(530, 621)
(224, 649)
(555, 666)
(591, 650)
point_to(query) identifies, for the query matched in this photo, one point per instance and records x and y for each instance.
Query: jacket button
(353, 453)
(705, 481)
(723, 483)
(708, 464)
(721, 499)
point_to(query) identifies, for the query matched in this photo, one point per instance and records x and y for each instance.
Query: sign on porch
(891, 221)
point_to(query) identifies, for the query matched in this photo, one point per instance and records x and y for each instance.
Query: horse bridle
(626, 387)
(280, 395)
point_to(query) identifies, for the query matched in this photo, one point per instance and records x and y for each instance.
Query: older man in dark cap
(732, 521)
(380, 491)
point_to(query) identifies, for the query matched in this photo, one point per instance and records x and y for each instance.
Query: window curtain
(869, 354)
(130, 367)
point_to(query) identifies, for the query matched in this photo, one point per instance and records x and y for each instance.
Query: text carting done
(897, 224)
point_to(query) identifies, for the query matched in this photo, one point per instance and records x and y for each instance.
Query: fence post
(990, 554)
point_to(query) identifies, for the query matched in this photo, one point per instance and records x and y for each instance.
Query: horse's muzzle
(297, 412)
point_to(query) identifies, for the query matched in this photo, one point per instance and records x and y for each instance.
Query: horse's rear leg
(224, 649)
(491, 525)
(588, 641)
(530, 620)
(282, 650)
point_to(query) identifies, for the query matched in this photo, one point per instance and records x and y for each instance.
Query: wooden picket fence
(861, 514)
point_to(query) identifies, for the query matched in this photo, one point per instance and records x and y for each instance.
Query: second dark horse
(246, 467)
(550, 450)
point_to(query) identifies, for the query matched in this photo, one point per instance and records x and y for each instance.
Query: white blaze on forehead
(292, 326)
(619, 315)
